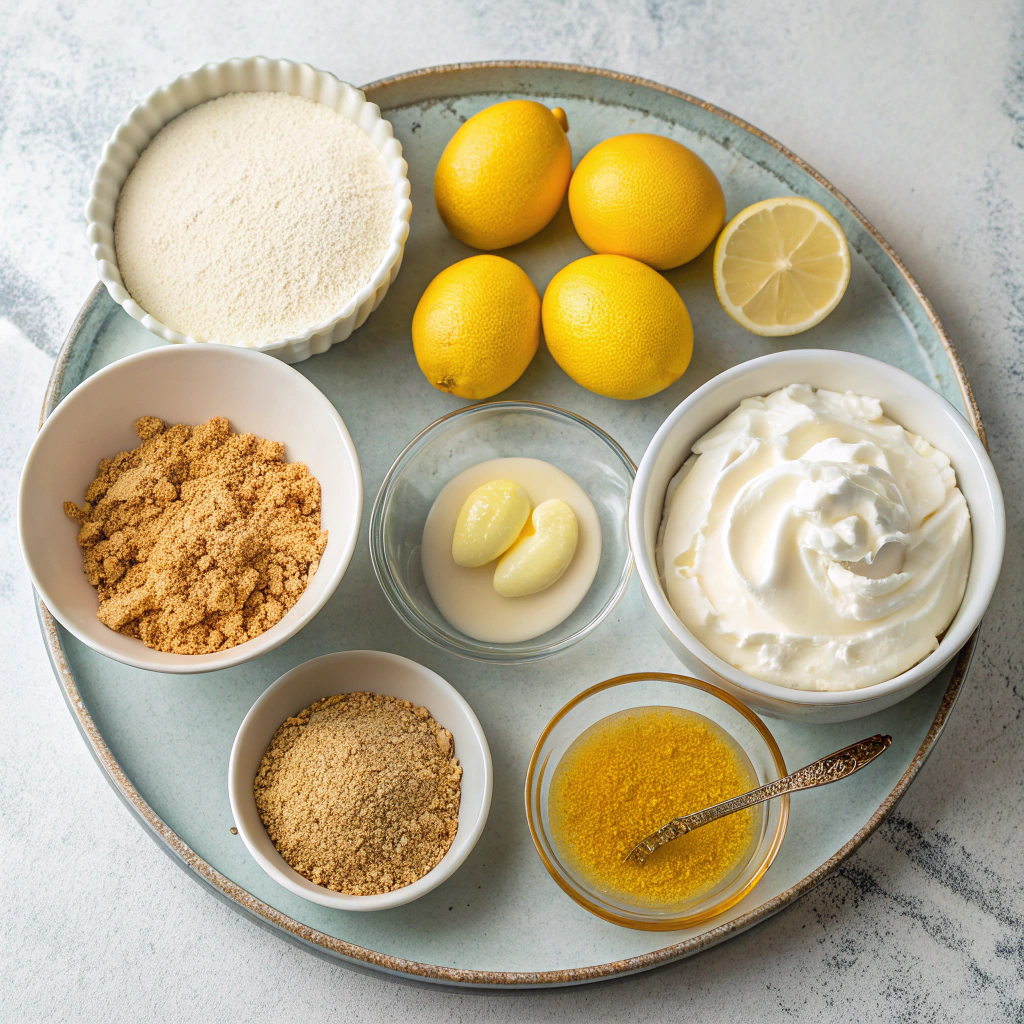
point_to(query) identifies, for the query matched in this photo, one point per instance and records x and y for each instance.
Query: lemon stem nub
(561, 118)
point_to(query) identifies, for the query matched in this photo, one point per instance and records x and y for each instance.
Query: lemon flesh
(616, 326)
(781, 266)
(476, 327)
(503, 174)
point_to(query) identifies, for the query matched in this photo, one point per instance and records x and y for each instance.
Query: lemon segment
(781, 266)
(503, 174)
(476, 327)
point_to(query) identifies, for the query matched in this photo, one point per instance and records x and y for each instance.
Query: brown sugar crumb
(200, 538)
(360, 793)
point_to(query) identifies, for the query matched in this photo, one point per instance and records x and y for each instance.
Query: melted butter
(629, 774)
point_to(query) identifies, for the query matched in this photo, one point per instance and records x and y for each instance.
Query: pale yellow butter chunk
(491, 519)
(541, 554)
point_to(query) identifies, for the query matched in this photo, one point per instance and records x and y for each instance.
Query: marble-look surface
(915, 111)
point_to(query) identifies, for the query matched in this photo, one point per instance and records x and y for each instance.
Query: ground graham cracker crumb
(360, 793)
(200, 538)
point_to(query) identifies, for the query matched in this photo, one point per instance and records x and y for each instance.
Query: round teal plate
(501, 921)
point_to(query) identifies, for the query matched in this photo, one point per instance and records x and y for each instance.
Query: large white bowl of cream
(832, 542)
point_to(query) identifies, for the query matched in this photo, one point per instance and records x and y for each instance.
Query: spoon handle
(830, 768)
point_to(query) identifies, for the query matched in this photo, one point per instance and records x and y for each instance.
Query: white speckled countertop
(915, 111)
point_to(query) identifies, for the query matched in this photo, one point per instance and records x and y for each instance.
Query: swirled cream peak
(811, 541)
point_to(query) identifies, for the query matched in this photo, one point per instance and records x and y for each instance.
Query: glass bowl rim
(409, 614)
(730, 899)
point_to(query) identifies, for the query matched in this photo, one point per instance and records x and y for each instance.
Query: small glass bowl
(463, 439)
(659, 689)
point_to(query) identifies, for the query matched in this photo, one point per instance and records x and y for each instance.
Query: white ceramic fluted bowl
(348, 672)
(181, 384)
(254, 74)
(907, 401)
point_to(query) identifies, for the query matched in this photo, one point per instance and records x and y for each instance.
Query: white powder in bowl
(253, 217)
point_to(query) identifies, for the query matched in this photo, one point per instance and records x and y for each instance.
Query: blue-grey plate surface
(501, 921)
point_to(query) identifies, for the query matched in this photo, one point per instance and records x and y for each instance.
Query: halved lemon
(781, 266)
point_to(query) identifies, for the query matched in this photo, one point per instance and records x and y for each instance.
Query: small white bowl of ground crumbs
(360, 780)
(257, 202)
(190, 507)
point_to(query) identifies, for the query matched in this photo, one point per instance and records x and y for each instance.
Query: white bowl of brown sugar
(188, 508)
(360, 780)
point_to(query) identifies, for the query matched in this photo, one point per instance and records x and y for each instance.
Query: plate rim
(359, 958)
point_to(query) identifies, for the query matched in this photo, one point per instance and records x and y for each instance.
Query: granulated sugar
(253, 217)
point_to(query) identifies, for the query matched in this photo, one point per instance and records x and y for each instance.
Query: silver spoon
(828, 769)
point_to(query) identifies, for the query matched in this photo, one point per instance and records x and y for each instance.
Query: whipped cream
(812, 542)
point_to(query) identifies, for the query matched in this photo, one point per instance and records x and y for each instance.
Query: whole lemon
(617, 327)
(647, 197)
(503, 174)
(476, 327)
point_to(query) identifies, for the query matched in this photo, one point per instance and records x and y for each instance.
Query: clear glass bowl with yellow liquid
(622, 759)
